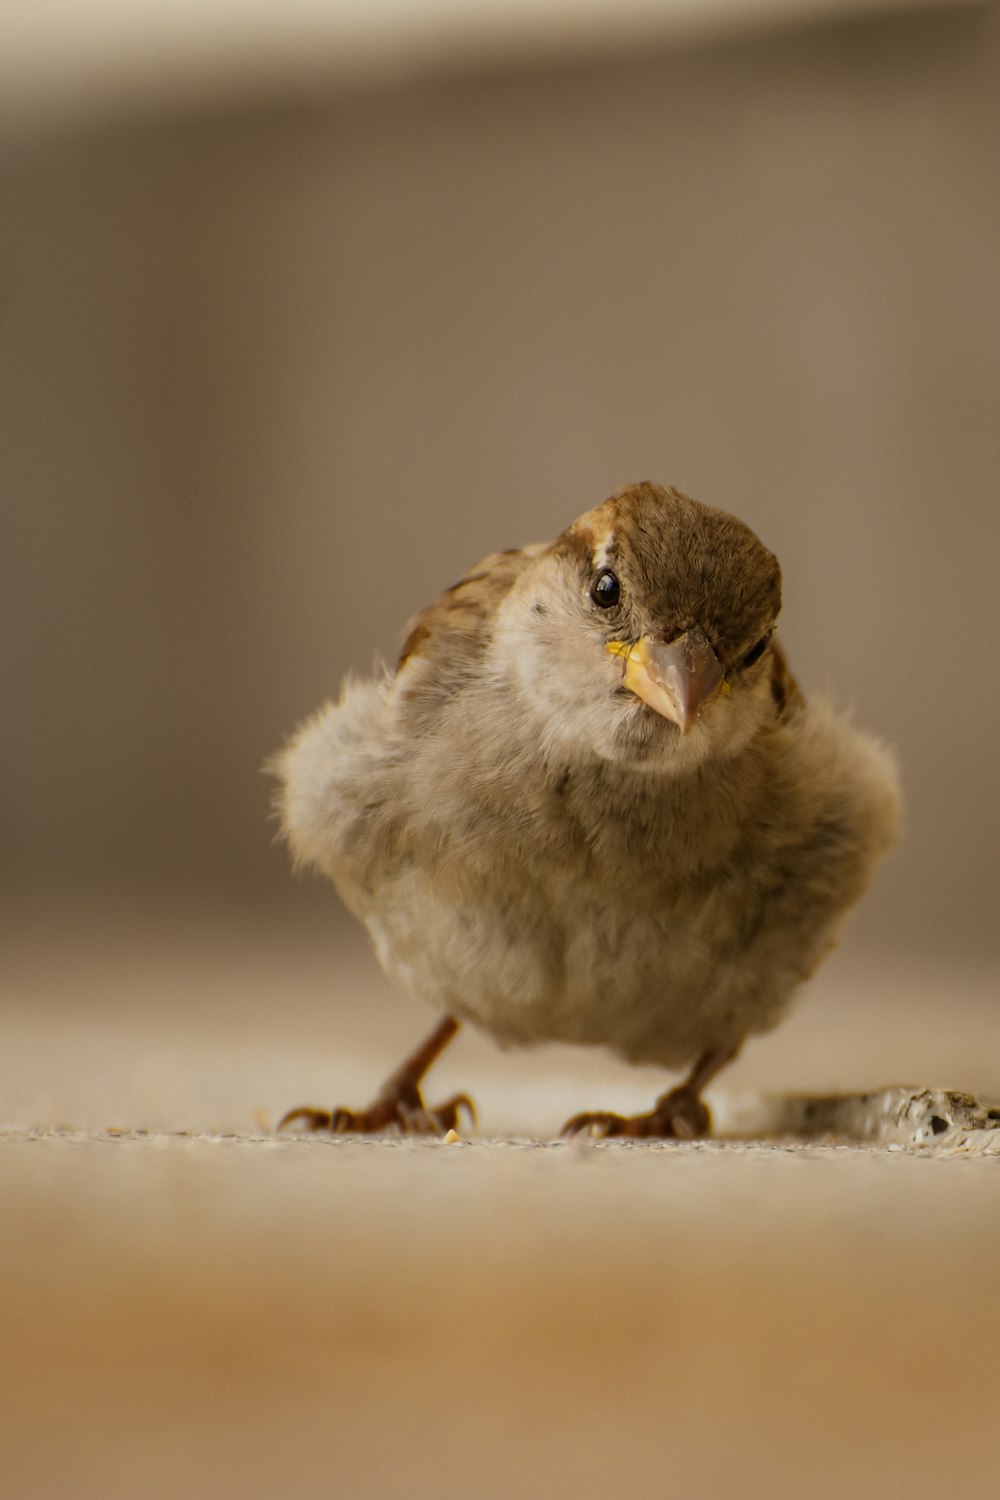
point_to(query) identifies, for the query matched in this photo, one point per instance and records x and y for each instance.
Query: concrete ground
(191, 1307)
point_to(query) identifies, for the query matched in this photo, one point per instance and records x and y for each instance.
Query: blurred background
(305, 308)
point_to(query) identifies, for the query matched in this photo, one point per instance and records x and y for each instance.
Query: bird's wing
(458, 625)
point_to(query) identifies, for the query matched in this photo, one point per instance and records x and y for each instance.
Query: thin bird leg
(680, 1114)
(398, 1105)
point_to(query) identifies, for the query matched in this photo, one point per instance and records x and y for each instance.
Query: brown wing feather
(458, 624)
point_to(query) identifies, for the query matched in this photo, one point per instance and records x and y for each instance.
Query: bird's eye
(756, 652)
(606, 590)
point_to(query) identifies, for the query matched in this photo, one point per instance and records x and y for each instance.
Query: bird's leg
(398, 1104)
(681, 1113)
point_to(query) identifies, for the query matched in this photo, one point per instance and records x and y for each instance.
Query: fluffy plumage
(591, 804)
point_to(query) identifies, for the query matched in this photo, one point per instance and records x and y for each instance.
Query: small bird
(590, 804)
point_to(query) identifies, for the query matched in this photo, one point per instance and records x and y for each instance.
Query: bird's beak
(679, 679)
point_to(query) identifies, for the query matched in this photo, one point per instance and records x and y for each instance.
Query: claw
(402, 1110)
(679, 1115)
(316, 1119)
(343, 1121)
(600, 1123)
(448, 1115)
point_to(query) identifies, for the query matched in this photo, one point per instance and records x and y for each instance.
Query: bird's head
(643, 632)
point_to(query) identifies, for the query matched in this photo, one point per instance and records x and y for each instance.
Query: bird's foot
(678, 1115)
(400, 1109)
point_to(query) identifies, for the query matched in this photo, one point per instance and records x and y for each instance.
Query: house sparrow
(591, 805)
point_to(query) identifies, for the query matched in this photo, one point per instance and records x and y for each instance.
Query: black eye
(606, 590)
(756, 652)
